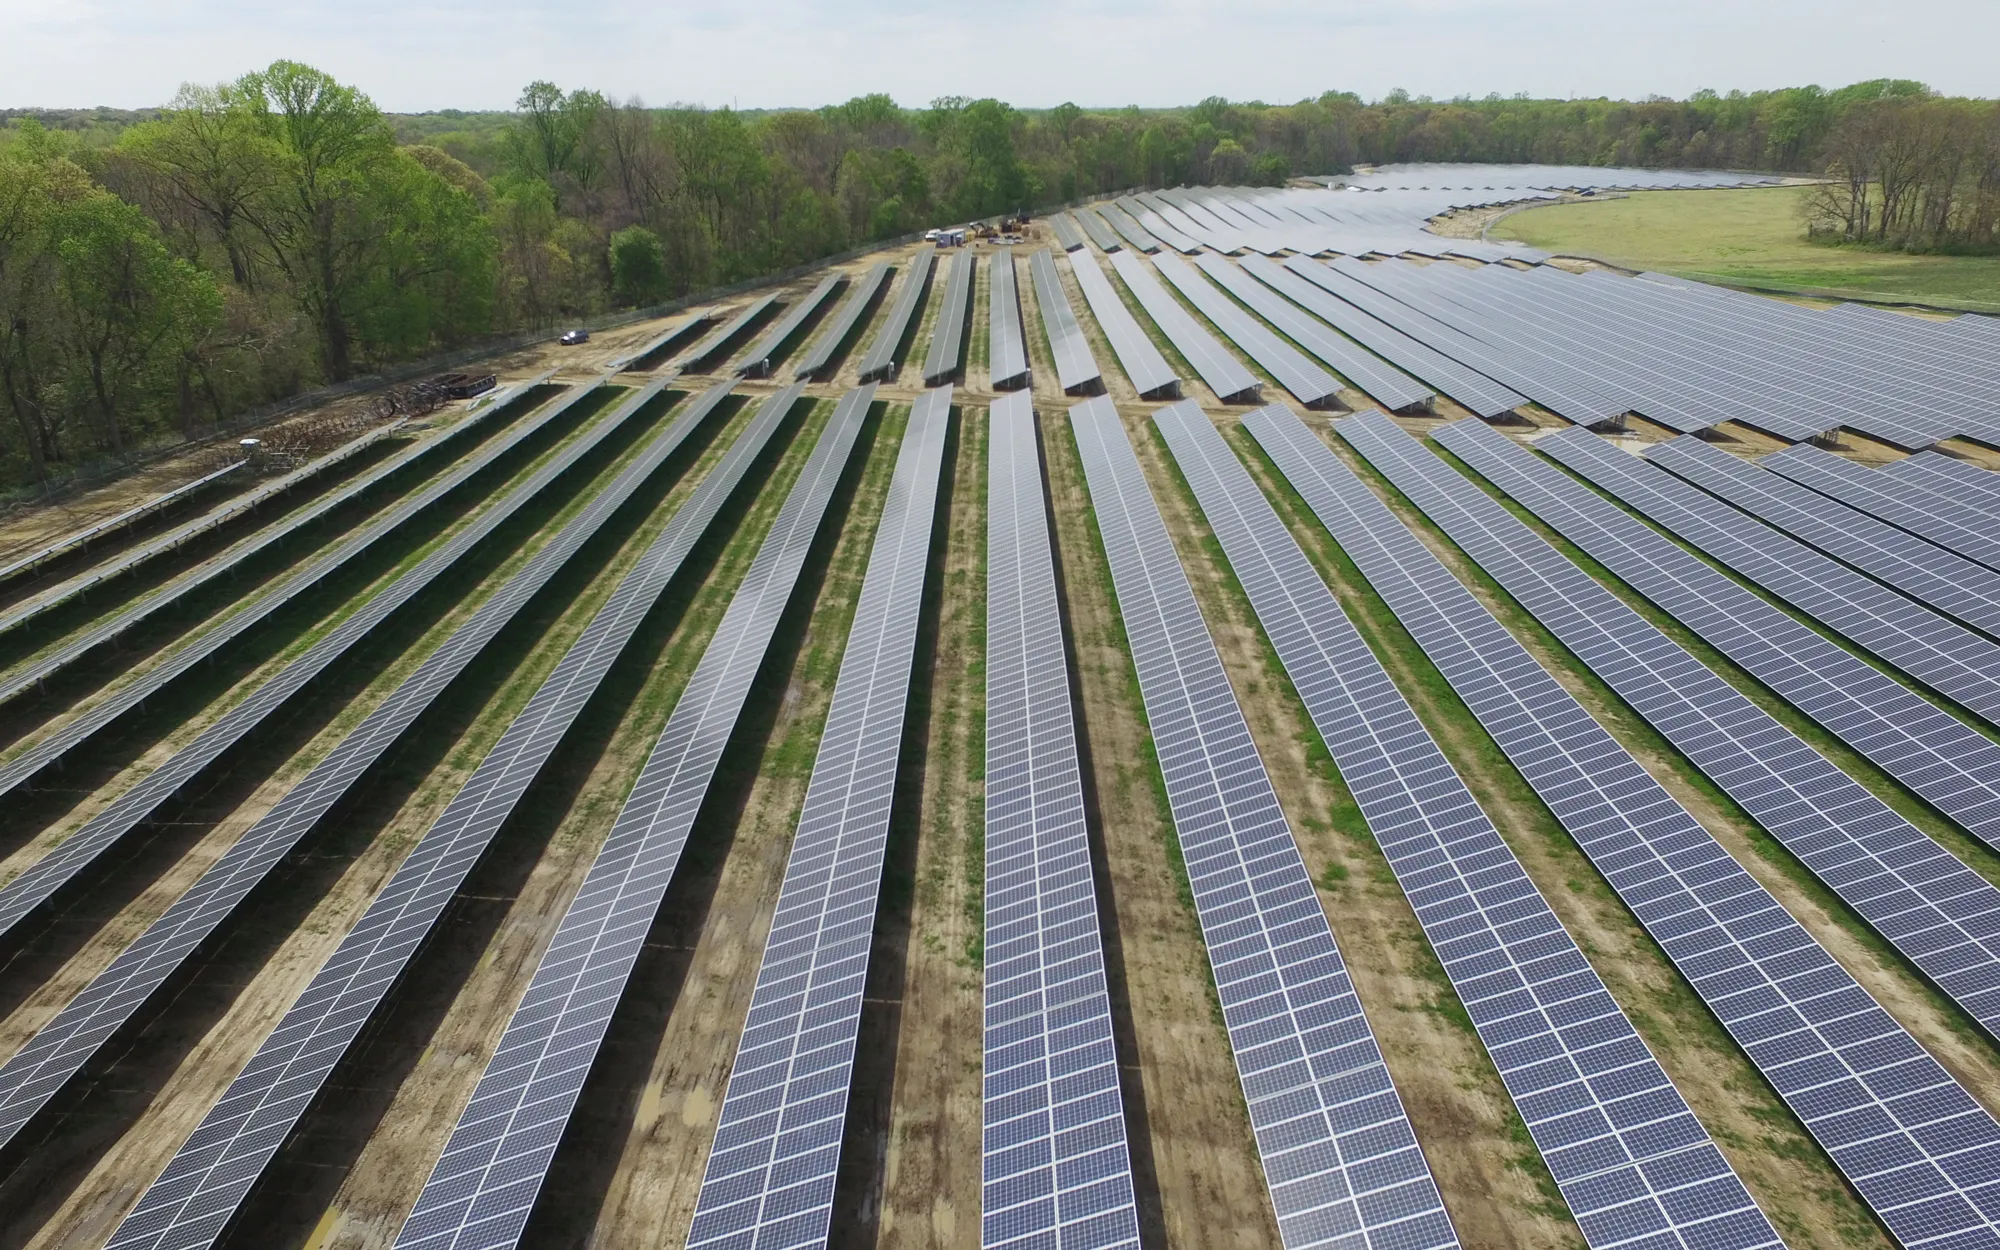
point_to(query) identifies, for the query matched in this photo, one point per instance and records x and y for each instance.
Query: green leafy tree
(638, 266)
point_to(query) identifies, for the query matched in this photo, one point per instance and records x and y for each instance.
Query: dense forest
(163, 271)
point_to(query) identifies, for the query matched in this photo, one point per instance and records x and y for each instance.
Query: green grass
(1753, 237)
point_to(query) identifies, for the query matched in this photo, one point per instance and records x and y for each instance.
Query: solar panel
(1151, 375)
(882, 363)
(1056, 1165)
(1338, 1152)
(483, 1187)
(1307, 382)
(1157, 227)
(757, 361)
(947, 354)
(1929, 574)
(1922, 1153)
(1299, 280)
(1941, 915)
(1099, 233)
(663, 343)
(1618, 1139)
(55, 1054)
(840, 327)
(1006, 345)
(1946, 761)
(1128, 229)
(1914, 498)
(78, 540)
(1076, 368)
(1221, 371)
(1947, 656)
(27, 892)
(770, 1174)
(1067, 234)
(1951, 477)
(711, 350)
(217, 1166)
(1387, 384)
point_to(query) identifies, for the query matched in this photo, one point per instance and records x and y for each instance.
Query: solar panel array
(1151, 375)
(28, 891)
(1629, 1156)
(664, 343)
(30, 677)
(1307, 382)
(1929, 574)
(711, 350)
(1306, 284)
(1953, 478)
(217, 1166)
(1916, 498)
(1941, 915)
(1067, 234)
(77, 540)
(1076, 368)
(1922, 1153)
(1387, 384)
(63, 1046)
(1056, 1166)
(1099, 233)
(834, 335)
(757, 361)
(770, 1175)
(881, 363)
(1157, 227)
(1129, 229)
(1338, 1152)
(1219, 369)
(1947, 656)
(1941, 758)
(1006, 343)
(483, 1187)
(947, 354)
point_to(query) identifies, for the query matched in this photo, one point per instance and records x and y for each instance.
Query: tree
(556, 139)
(209, 151)
(638, 266)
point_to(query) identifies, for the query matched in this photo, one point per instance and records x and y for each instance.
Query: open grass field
(1754, 237)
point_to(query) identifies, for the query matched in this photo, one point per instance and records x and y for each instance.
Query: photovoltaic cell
(947, 352)
(217, 1166)
(1938, 913)
(63, 1046)
(771, 1169)
(1076, 368)
(757, 361)
(840, 327)
(881, 363)
(1056, 1166)
(1151, 375)
(1339, 1155)
(1629, 1156)
(1942, 653)
(1221, 371)
(1976, 488)
(483, 1188)
(1917, 498)
(1949, 763)
(1923, 1154)
(1006, 346)
(1930, 574)
(1308, 383)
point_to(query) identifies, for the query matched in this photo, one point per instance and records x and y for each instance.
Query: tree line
(1916, 173)
(163, 271)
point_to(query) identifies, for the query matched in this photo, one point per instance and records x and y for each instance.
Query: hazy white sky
(425, 54)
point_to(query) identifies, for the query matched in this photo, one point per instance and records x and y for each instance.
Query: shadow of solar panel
(841, 325)
(483, 1187)
(1056, 1164)
(1007, 348)
(1338, 1152)
(1925, 572)
(1916, 494)
(60, 1049)
(770, 1174)
(1860, 1083)
(1944, 655)
(1076, 368)
(217, 1166)
(881, 362)
(34, 886)
(1151, 375)
(1616, 1135)
(1941, 915)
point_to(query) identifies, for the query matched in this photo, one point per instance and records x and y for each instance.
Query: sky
(420, 55)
